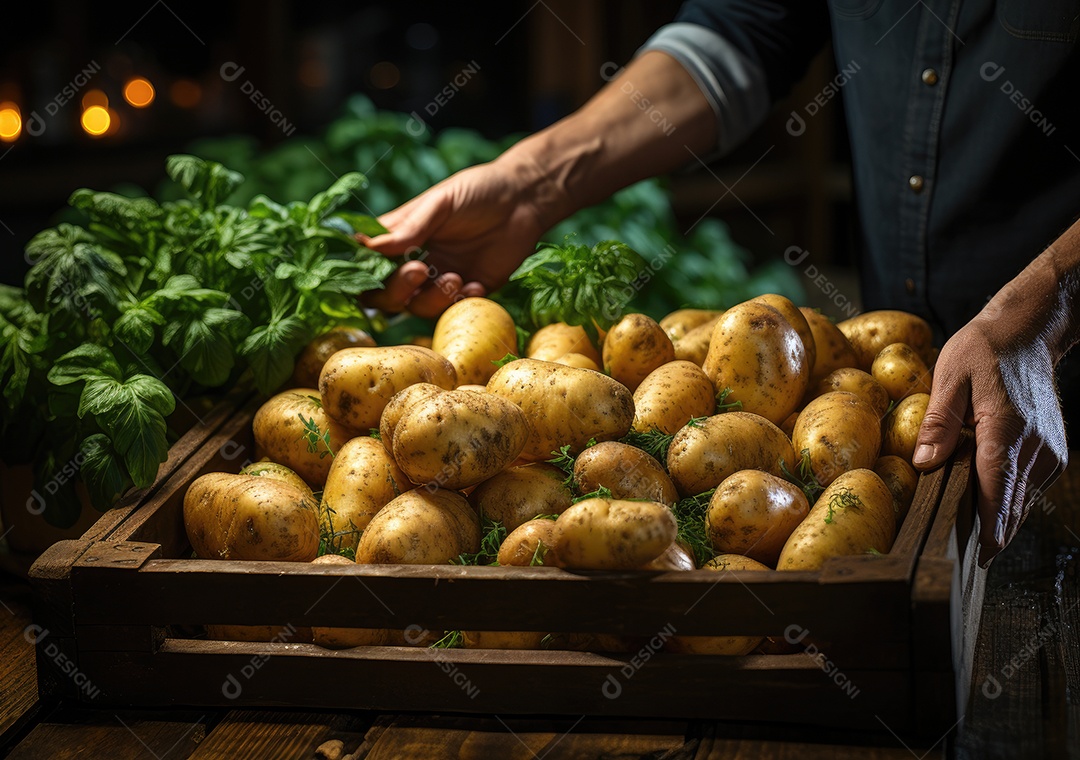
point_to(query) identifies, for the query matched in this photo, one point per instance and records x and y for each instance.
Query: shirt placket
(931, 66)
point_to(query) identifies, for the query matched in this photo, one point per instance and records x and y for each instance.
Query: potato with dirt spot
(346, 638)
(760, 357)
(530, 543)
(357, 383)
(872, 331)
(612, 534)
(706, 452)
(564, 406)
(626, 471)
(457, 439)
(901, 428)
(280, 434)
(250, 517)
(553, 341)
(420, 527)
(900, 370)
(720, 645)
(753, 513)
(834, 350)
(853, 516)
(853, 380)
(396, 407)
(672, 395)
(634, 347)
(314, 355)
(694, 346)
(473, 334)
(678, 323)
(841, 432)
(363, 479)
(518, 494)
(796, 319)
(902, 481)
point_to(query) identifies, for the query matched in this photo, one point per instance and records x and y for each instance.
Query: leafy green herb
(653, 442)
(600, 493)
(538, 555)
(450, 640)
(506, 360)
(804, 478)
(494, 533)
(695, 422)
(691, 514)
(331, 540)
(722, 404)
(564, 460)
(842, 499)
(374, 433)
(314, 436)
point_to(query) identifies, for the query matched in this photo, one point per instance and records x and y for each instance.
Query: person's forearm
(1045, 296)
(640, 124)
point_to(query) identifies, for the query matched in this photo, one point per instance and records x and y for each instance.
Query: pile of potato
(797, 432)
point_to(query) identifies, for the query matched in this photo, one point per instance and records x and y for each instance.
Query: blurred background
(289, 93)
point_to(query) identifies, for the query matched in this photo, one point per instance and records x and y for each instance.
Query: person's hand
(463, 237)
(998, 376)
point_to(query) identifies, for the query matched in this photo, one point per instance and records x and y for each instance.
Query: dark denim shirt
(963, 120)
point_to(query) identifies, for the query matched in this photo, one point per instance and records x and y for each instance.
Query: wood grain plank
(101, 734)
(472, 738)
(18, 669)
(267, 735)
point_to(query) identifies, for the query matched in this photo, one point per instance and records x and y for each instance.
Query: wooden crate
(896, 632)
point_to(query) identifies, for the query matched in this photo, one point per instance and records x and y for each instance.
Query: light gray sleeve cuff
(733, 84)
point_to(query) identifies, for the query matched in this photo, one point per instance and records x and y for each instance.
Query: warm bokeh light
(95, 121)
(139, 92)
(385, 75)
(114, 122)
(95, 98)
(185, 93)
(10, 122)
(313, 74)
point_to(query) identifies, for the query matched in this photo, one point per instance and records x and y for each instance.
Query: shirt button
(930, 77)
(915, 182)
(909, 286)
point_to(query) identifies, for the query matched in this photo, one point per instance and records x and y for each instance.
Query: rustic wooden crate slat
(882, 623)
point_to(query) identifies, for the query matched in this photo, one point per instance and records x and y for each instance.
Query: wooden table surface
(1026, 698)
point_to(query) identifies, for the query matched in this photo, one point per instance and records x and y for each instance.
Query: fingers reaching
(945, 415)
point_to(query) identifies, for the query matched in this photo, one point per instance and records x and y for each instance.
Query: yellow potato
(852, 380)
(530, 542)
(671, 395)
(752, 513)
(678, 323)
(677, 557)
(760, 357)
(610, 534)
(424, 341)
(280, 434)
(553, 341)
(518, 494)
(363, 479)
(900, 371)
(281, 634)
(459, 438)
(358, 383)
(311, 360)
(841, 432)
(565, 406)
(420, 527)
(467, 387)
(397, 405)
(720, 645)
(834, 350)
(872, 331)
(581, 361)
(502, 639)
(634, 347)
(901, 428)
(473, 334)
(250, 517)
(702, 454)
(275, 471)
(345, 638)
(694, 346)
(854, 515)
(788, 425)
(626, 471)
(795, 318)
(902, 481)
